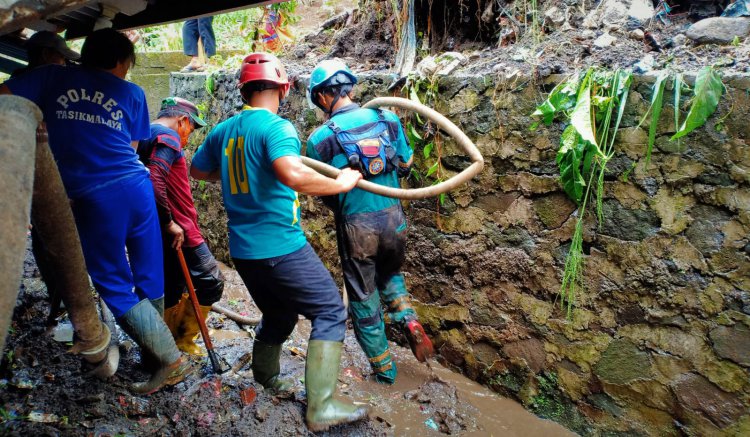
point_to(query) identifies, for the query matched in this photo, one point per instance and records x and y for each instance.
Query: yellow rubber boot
(190, 329)
(173, 316)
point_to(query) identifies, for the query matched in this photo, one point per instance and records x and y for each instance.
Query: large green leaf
(561, 98)
(433, 169)
(581, 116)
(624, 80)
(210, 84)
(708, 91)
(569, 158)
(657, 96)
(428, 149)
(412, 135)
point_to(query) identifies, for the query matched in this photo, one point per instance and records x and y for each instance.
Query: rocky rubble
(719, 30)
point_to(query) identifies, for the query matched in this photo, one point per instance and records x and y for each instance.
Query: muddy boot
(321, 374)
(149, 362)
(173, 318)
(144, 325)
(420, 343)
(369, 328)
(159, 305)
(266, 369)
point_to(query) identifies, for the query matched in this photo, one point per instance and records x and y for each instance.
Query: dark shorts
(372, 248)
(286, 286)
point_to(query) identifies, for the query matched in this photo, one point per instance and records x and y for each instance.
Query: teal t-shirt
(264, 214)
(322, 146)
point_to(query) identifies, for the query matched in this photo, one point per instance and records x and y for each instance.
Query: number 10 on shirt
(236, 169)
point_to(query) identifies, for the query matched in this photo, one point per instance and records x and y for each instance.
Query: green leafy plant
(425, 91)
(429, 141)
(210, 84)
(708, 90)
(657, 97)
(593, 103)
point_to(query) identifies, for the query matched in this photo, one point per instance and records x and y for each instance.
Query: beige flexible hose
(415, 193)
(233, 315)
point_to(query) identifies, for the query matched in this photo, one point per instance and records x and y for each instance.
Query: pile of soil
(367, 41)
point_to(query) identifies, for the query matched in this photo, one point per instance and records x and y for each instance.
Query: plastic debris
(248, 395)
(431, 424)
(63, 332)
(740, 8)
(38, 416)
(353, 374)
(297, 351)
(133, 406)
(22, 380)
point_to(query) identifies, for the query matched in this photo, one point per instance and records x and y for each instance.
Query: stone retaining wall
(659, 342)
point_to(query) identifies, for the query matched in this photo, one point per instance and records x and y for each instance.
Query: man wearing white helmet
(370, 229)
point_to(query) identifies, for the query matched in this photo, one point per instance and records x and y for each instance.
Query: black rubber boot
(321, 374)
(266, 368)
(144, 325)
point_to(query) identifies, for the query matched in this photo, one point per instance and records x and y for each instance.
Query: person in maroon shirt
(164, 156)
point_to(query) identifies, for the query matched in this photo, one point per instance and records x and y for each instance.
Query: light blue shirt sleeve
(282, 140)
(208, 156)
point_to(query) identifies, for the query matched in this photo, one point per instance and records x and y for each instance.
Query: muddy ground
(46, 391)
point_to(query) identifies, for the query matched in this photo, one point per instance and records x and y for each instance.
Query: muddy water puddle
(427, 400)
(223, 334)
(433, 400)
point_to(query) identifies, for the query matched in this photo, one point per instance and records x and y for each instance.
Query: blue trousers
(110, 220)
(198, 28)
(285, 286)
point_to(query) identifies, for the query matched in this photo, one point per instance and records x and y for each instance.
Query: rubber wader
(321, 374)
(144, 325)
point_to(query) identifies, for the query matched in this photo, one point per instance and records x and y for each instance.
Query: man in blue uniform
(95, 119)
(371, 229)
(255, 154)
(162, 153)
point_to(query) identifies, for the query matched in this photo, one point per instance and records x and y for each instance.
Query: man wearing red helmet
(255, 154)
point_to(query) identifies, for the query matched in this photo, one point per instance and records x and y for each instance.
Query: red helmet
(263, 67)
